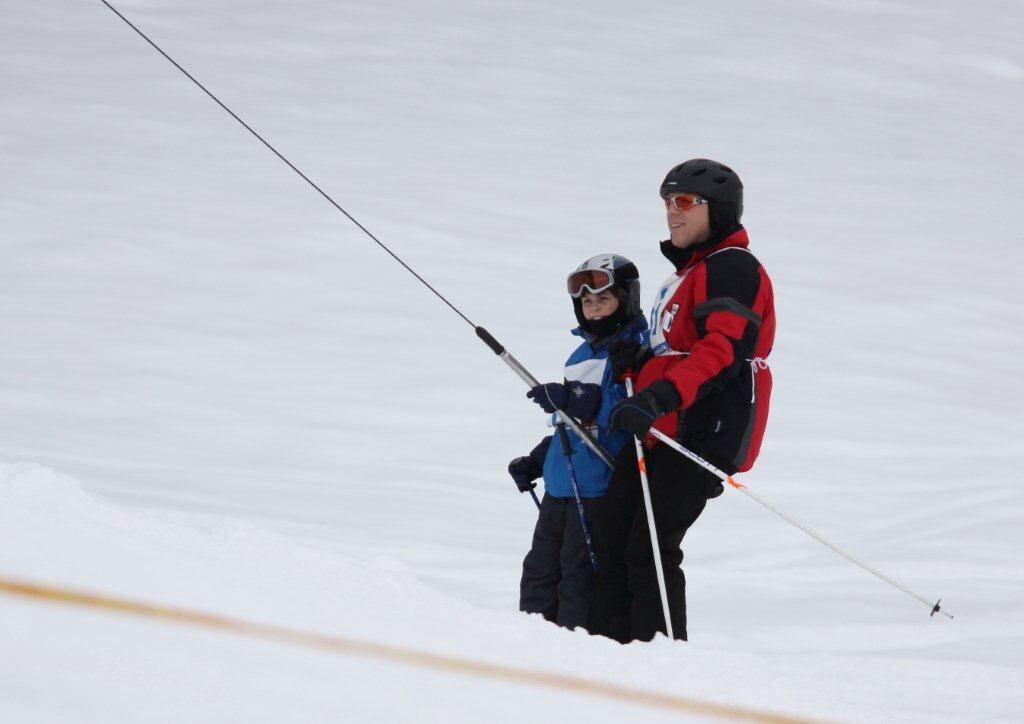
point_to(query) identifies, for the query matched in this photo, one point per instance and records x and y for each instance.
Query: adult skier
(704, 381)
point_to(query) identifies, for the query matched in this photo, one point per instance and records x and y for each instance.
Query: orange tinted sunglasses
(684, 201)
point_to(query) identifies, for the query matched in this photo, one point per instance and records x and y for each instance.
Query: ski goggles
(590, 280)
(684, 202)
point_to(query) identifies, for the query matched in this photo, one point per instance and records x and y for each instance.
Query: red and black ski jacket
(712, 329)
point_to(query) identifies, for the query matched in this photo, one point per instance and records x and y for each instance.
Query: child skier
(559, 569)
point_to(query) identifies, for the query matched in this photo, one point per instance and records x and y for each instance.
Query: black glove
(580, 399)
(627, 354)
(548, 396)
(637, 414)
(524, 470)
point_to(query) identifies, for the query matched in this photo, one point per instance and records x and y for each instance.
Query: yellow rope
(385, 652)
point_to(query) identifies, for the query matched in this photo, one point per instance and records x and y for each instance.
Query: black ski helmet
(713, 181)
(626, 279)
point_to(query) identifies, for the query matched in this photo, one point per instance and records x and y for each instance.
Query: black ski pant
(558, 577)
(627, 601)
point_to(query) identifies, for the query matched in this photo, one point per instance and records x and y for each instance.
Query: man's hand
(627, 355)
(637, 414)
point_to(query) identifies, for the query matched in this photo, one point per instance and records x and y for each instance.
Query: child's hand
(524, 470)
(549, 396)
(579, 399)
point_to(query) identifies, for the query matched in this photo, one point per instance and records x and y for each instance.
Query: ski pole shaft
(567, 452)
(533, 494)
(735, 484)
(655, 548)
(532, 381)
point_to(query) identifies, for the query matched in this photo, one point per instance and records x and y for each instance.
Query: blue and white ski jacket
(589, 364)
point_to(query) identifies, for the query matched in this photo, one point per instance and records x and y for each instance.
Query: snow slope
(218, 394)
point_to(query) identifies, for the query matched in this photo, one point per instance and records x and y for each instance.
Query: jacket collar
(684, 259)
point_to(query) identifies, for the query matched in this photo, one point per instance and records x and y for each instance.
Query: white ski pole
(655, 548)
(935, 607)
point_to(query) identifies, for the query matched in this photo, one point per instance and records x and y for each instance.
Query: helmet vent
(700, 172)
(720, 179)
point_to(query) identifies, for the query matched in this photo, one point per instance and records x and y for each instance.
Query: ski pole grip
(564, 438)
(489, 340)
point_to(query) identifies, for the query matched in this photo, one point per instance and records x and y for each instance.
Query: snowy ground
(218, 394)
